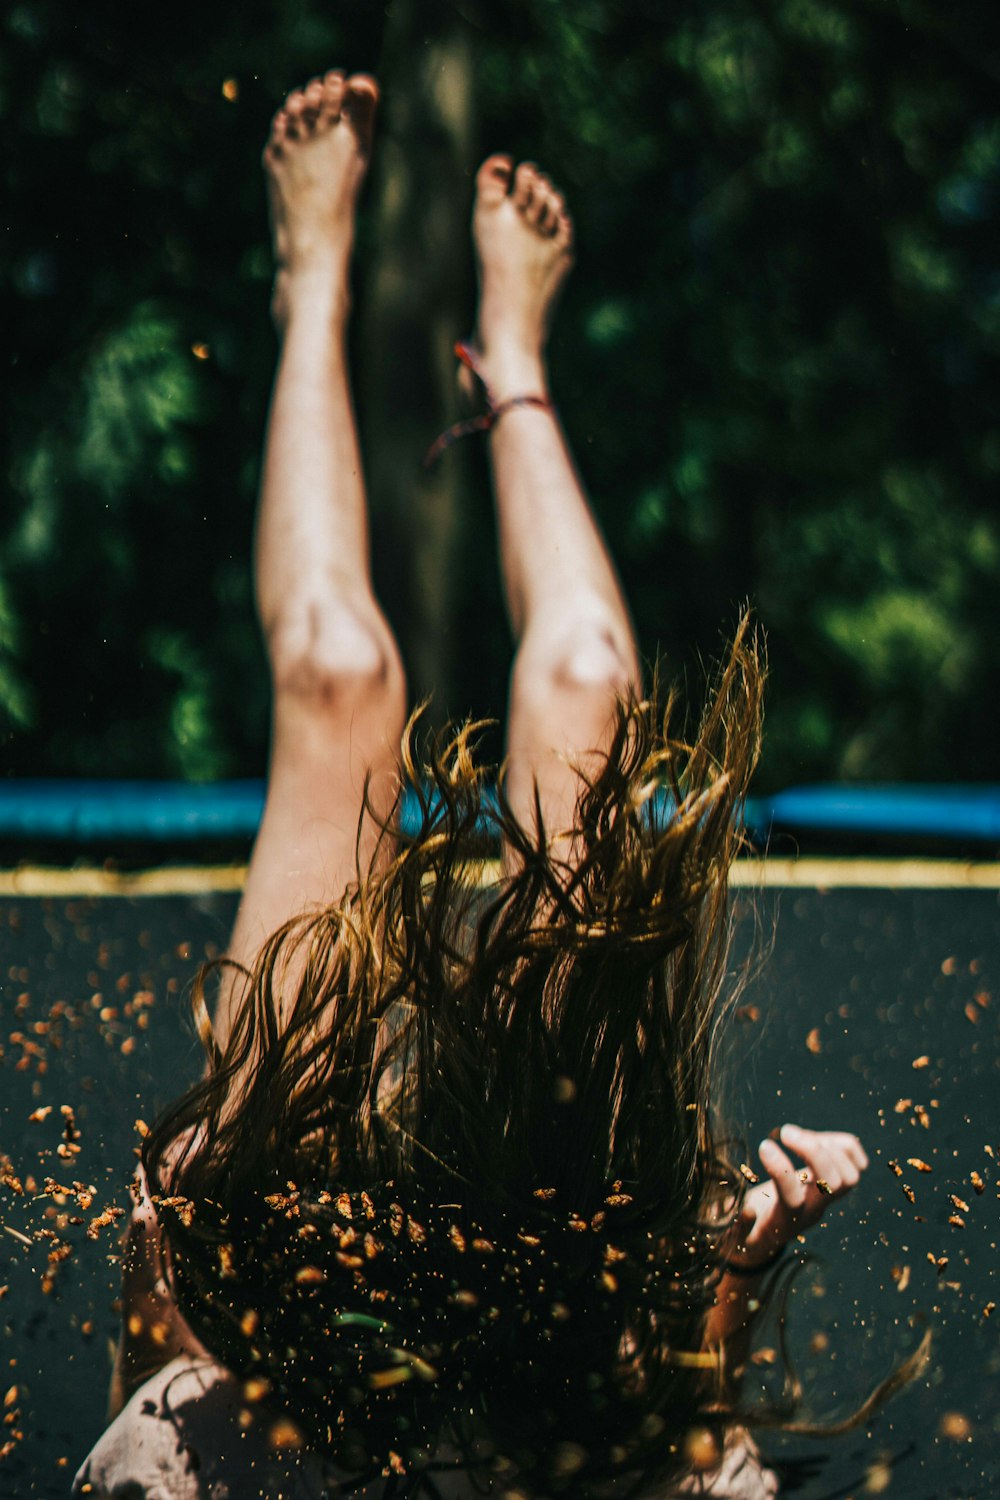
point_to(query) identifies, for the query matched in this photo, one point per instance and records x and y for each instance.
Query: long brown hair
(465, 1189)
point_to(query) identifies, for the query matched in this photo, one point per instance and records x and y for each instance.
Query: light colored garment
(179, 1438)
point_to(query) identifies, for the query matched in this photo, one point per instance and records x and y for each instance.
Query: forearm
(729, 1327)
(153, 1331)
(736, 1299)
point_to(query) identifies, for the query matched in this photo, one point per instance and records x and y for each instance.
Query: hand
(794, 1198)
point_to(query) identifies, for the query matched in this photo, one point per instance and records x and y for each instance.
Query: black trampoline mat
(861, 985)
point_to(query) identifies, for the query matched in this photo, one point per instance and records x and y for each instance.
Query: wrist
(743, 1263)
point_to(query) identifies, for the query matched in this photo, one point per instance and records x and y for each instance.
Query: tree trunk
(417, 302)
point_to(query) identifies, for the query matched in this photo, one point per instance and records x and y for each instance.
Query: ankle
(312, 297)
(514, 370)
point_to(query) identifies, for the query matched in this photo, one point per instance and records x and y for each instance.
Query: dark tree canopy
(777, 358)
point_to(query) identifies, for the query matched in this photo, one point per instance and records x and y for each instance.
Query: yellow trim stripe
(84, 880)
(847, 874)
(809, 874)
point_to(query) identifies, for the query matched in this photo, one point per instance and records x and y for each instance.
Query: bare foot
(523, 238)
(315, 160)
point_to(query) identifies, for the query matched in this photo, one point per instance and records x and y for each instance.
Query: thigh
(306, 851)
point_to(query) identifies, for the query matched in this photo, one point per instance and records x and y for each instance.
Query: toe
(548, 215)
(360, 103)
(557, 210)
(564, 231)
(294, 107)
(524, 182)
(313, 100)
(333, 95)
(494, 178)
(537, 209)
(279, 130)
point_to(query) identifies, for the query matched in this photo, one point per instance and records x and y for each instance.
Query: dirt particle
(878, 1477)
(567, 1458)
(310, 1276)
(956, 1426)
(701, 1449)
(284, 1435)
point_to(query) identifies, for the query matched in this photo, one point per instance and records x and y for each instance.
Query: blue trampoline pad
(92, 811)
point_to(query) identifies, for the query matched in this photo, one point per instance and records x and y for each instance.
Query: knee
(337, 657)
(586, 658)
(595, 660)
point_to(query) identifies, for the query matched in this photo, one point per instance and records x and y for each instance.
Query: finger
(850, 1176)
(853, 1147)
(790, 1187)
(847, 1174)
(849, 1156)
(850, 1171)
(758, 1203)
(843, 1138)
(815, 1149)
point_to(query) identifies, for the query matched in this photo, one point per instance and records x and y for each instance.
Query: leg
(574, 643)
(339, 694)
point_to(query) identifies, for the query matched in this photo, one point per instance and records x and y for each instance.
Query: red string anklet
(487, 419)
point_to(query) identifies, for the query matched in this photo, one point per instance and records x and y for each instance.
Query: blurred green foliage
(778, 357)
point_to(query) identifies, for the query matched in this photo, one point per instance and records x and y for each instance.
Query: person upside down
(452, 1209)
